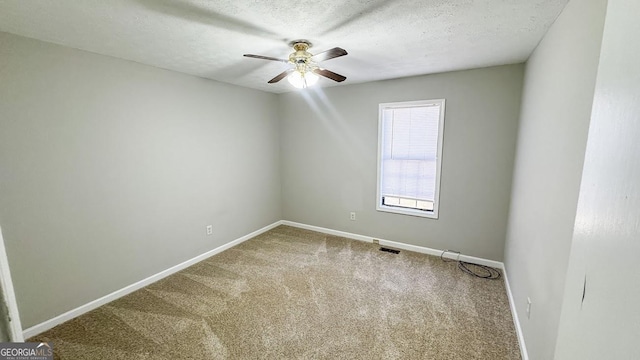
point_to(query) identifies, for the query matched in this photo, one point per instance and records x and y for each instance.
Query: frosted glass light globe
(302, 80)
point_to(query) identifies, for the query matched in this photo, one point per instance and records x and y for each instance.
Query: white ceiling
(385, 39)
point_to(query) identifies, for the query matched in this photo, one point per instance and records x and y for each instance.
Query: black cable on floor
(480, 271)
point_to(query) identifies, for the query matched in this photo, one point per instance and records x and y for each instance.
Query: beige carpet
(297, 294)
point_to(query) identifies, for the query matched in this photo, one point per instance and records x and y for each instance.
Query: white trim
(328, 231)
(516, 320)
(46, 325)
(436, 201)
(398, 245)
(15, 327)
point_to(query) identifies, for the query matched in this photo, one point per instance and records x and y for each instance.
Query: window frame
(436, 201)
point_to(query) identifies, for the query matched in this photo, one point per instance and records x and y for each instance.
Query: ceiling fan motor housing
(300, 57)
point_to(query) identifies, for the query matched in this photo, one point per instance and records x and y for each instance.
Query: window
(409, 157)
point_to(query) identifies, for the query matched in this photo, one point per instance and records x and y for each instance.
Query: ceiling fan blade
(266, 58)
(330, 74)
(329, 54)
(280, 76)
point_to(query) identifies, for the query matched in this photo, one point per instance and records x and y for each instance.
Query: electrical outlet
(528, 308)
(352, 216)
(209, 229)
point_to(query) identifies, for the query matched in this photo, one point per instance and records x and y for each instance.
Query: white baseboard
(516, 320)
(397, 245)
(46, 325)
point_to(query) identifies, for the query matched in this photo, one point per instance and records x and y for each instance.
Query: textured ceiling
(385, 39)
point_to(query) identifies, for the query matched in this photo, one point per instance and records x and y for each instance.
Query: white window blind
(410, 137)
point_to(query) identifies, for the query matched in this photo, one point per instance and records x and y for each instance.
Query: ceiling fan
(305, 68)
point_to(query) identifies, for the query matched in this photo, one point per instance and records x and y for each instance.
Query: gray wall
(556, 108)
(605, 323)
(110, 171)
(329, 152)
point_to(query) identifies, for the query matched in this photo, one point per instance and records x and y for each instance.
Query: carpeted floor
(297, 294)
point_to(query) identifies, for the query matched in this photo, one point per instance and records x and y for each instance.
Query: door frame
(15, 327)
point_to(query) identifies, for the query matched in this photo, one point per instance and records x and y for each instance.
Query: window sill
(410, 212)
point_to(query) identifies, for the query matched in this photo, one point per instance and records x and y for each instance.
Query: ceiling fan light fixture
(302, 80)
(304, 68)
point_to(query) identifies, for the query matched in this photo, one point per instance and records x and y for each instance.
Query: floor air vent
(390, 250)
